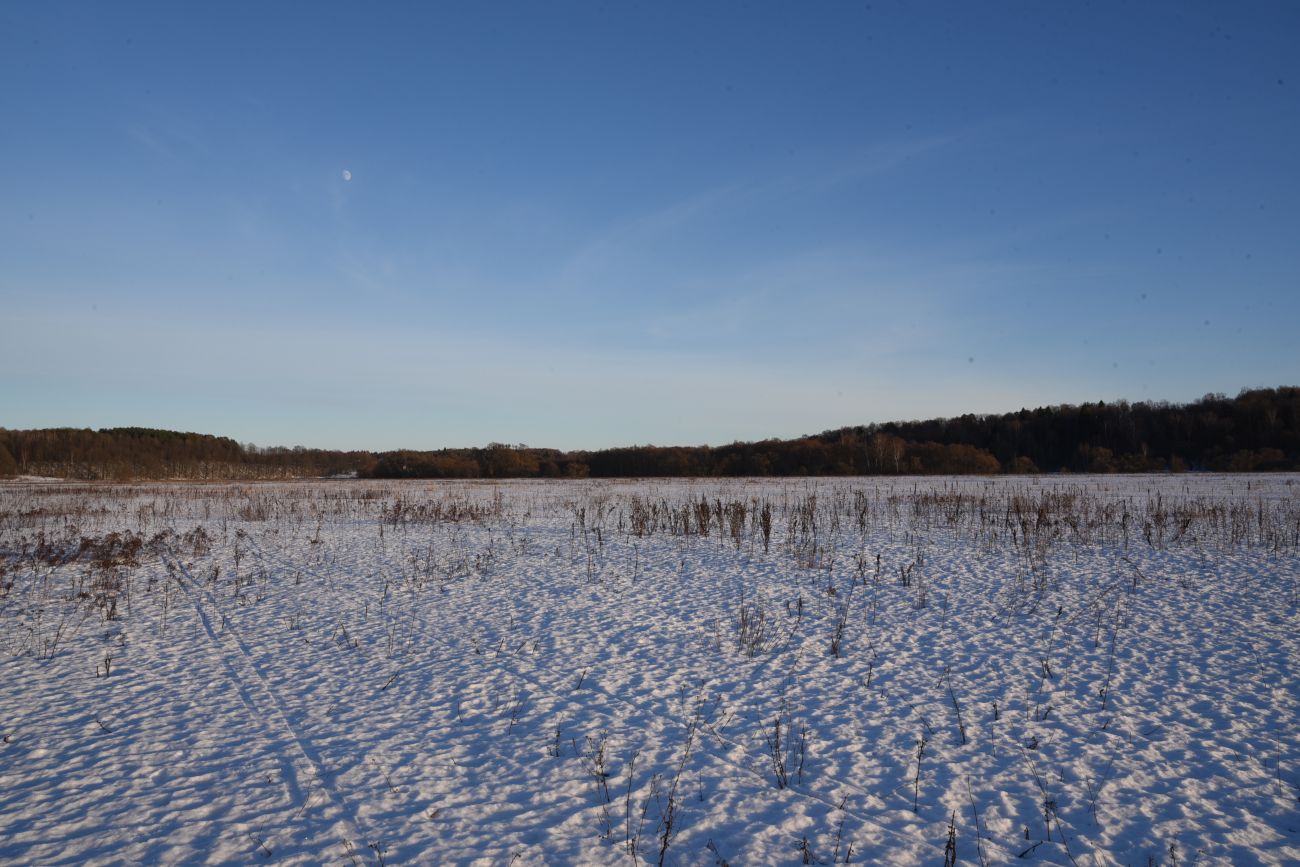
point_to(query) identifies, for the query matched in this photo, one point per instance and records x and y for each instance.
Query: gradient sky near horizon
(582, 225)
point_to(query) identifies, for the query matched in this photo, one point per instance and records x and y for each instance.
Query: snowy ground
(1087, 670)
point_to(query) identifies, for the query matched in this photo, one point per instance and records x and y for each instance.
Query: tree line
(144, 453)
(1258, 430)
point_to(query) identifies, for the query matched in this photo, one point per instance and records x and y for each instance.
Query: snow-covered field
(1086, 670)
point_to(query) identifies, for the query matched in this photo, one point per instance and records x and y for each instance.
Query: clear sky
(582, 225)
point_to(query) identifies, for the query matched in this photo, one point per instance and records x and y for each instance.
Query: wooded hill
(1259, 430)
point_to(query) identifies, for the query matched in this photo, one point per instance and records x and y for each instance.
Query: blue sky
(585, 225)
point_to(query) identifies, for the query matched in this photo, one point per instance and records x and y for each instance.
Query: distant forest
(1259, 430)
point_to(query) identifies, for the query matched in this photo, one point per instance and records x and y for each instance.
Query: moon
(347, 175)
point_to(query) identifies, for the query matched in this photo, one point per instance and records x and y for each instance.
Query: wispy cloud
(632, 244)
(168, 140)
(151, 142)
(634, 236)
